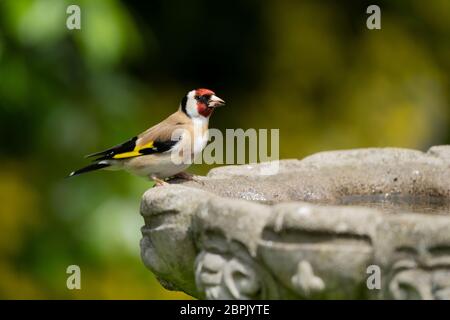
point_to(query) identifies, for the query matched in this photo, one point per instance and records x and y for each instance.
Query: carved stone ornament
(357, 224)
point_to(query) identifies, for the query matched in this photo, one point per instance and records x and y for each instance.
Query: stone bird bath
(319, 228)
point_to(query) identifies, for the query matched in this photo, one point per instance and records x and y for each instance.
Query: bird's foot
(184, 176)
(187, 177)
(158, 182)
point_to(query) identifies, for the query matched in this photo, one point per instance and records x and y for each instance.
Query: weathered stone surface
(240, 234)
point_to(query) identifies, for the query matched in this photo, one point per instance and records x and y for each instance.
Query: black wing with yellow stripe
(129, 149)
(126, 150)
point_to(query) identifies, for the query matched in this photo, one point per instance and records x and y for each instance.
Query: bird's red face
(200, 103)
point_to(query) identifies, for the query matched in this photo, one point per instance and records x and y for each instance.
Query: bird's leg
(158, 182)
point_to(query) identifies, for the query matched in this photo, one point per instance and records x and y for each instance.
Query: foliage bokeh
(310, 68)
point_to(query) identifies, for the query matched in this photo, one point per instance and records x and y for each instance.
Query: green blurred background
(310, 68)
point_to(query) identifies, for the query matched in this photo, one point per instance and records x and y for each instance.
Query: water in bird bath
(397, 203)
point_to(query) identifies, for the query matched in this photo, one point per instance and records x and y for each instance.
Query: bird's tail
(91, 167)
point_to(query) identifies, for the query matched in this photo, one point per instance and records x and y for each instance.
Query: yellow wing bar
(135, 152)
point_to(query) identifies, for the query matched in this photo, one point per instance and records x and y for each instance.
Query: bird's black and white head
(200, 103)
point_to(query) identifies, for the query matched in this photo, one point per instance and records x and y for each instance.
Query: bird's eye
(204, 98)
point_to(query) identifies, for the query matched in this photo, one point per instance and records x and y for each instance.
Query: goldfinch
(166, 149)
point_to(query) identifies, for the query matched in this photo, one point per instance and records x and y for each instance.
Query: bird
(166, 149)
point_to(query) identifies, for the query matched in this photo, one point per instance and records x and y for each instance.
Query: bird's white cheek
(191, 108)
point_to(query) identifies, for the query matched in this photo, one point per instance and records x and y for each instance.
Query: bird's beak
(215, 101)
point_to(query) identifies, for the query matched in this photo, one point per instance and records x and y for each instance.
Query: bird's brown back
(163, 131)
